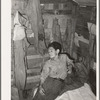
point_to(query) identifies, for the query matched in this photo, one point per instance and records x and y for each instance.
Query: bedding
(82, 93)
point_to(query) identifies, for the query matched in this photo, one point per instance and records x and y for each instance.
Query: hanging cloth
(56, 31)
(19, 30)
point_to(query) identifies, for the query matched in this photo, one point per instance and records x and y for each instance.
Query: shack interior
(70, 22)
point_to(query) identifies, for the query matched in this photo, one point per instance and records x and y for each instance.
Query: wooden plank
(33, 70)
(33, 79)
(31, 85)
(36, 56)
(86, 2)
(54, 1)
(33, 74)
(34, 62)
(61, 12)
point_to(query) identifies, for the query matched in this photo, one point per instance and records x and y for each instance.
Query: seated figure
(53, 74)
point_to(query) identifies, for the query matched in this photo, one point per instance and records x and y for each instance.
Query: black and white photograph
(53, 46)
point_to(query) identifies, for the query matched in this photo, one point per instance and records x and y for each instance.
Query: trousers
(52, 88)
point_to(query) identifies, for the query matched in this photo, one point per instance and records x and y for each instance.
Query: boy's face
(52, 52)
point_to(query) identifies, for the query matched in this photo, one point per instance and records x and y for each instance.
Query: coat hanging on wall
(56, 31)
(33, 11)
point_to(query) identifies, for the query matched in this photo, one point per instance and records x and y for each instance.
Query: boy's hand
(42, 92)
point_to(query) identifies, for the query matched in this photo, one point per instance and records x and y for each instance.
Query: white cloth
(82, 93)
(76, 40)
(80, 38)
(92, 28)
(19, 33)
(19, 30)
(16, 18)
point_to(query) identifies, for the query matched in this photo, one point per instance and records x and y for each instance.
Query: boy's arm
(45, 72)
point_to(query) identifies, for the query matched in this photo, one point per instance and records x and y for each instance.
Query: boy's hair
(56, 46)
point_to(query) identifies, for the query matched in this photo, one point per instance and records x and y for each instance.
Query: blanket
(82, 93)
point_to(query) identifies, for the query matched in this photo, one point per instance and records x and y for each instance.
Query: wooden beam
(63, 12)
(33, 70)
(37, 56)
(33, 79)
(86, 2)
(54, 1)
